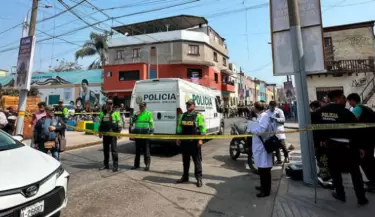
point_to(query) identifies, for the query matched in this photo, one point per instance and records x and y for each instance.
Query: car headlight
(59, 171)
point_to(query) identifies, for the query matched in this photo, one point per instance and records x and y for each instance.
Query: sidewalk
(291, 125)
(296, 199)
(76, 140)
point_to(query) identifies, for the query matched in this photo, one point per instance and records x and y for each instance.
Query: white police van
(166, 98)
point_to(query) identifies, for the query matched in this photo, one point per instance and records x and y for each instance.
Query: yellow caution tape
(21, 113)
(189, 137)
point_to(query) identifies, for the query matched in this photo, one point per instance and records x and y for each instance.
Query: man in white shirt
(277, 119)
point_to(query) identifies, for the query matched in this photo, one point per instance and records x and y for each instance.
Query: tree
(66, 66)
(96, 46)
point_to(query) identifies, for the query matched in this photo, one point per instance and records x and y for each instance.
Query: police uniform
(191, 123)
(142, 123)
(110, 121)
(342, 149)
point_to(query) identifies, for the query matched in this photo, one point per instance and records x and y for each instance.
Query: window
(322, 92)
(224, 61)
(193, 50)
(215, 56)
(129, 75)
(328, 48)
(216, 78)
(136, 52)
(194, 73)
(119, 54)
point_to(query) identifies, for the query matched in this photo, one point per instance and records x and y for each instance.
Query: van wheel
(221, 132)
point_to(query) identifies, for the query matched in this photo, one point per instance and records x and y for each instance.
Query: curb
(73, 147)
(293, 128)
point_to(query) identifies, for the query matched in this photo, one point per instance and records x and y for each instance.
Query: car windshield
(7, 142)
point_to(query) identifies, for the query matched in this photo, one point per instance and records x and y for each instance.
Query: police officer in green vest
(191, 123)
(110, 121)
(142, 122)
(62, 111)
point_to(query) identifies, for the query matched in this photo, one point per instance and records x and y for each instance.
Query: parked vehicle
(166, 99)
(32, 183)
(241, 145)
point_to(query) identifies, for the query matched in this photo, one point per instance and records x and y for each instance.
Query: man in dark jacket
(46, 132)
(365, 114)
(343, 149)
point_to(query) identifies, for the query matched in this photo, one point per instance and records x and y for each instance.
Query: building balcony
(351, 66)
(227, 71)
(227, 87)
(192, 62)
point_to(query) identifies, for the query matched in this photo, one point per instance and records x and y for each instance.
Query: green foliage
(66, 66)
(96, 46)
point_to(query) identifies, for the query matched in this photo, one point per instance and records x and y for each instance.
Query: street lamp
(25, 21)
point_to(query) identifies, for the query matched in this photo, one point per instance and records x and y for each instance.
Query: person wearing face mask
(191, 123)
(343, 150)
(277, 119)
(110, 121)
(262, 159)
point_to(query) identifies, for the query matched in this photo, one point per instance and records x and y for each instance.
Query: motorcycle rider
(191, 123)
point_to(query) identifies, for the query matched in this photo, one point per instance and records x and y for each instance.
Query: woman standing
(262, 159)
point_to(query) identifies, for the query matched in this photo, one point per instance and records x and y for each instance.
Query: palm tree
(97, 45)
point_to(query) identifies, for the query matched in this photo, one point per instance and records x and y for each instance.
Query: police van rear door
(161, 98)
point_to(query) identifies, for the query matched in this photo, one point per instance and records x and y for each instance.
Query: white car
(31, 183)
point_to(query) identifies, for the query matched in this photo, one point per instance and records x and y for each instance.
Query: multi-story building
(349, 55)
(180, 47)
(250, 91)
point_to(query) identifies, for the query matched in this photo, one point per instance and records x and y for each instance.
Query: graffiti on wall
(359, 82)
(358, 40)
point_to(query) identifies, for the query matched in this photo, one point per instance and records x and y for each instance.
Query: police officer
(110, 121)
(191, 123)
(343, 150)
(62, 111)
(142, 122)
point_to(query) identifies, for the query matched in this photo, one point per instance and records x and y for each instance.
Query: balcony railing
(227, 87)
(351, 66)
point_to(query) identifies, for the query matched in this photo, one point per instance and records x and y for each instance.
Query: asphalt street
(228, 186)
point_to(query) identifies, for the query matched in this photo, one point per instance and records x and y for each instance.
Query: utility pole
(23, 93)
(306, 138)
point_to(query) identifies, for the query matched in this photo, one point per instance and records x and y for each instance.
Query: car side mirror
(18, 138)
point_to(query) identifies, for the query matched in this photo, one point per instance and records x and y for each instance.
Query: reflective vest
(143, 123)
(110, 122)
(62, 112)
(189, 124)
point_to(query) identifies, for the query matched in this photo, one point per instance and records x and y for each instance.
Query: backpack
(368, 115)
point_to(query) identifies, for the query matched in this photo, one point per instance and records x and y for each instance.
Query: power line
(71, 11)
(121, 16)
(353, 4)
(59, 38)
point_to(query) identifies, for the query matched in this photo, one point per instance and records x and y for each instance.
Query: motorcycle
(241, 145)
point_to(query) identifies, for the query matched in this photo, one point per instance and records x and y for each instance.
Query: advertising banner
(25, 63)
(312, 37)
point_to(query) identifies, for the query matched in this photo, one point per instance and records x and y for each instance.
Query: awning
(179, 22)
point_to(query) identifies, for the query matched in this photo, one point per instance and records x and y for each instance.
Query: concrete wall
(350, 83)
(352, 43)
